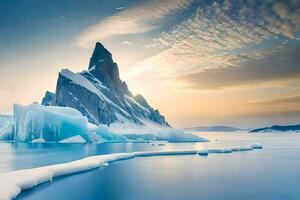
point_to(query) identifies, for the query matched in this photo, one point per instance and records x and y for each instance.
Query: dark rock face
(106, 70)
(48, 98)
(101, 95)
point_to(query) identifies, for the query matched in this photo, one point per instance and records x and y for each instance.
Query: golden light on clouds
(198, 62)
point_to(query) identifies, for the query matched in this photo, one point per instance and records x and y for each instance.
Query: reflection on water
(27, 155)
(272, 173)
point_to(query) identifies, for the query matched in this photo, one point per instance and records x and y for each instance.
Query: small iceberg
(203, 152)
(39, 140)
(256, 146)
(73, 140)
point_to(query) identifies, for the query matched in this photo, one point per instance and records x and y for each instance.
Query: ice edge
(13, 182)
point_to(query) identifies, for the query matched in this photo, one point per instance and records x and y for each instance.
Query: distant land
(277, 128)
(214, 129)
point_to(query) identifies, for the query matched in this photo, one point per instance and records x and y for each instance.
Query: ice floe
(12, 183)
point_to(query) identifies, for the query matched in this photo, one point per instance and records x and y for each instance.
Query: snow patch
(79, 79)
(39, 140)
(74, 140)
(205, 152)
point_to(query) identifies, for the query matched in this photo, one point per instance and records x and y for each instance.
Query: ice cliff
(38, 124)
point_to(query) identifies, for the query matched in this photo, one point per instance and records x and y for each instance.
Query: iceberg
(12, 183)
(51, 123)
(73, 140)
(38, 123)
(38, 141)
(6, 127)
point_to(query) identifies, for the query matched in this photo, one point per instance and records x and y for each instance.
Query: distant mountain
(213, 129)
(277, 128)
(100, 95)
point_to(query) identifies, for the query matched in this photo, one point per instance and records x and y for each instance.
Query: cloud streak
(281, 65)
(141, 18)
(282, 100)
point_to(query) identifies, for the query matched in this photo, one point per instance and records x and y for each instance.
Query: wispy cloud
(275, 101)
(227, 44)
(142, 17)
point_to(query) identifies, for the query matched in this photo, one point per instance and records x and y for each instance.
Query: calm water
(272, 173)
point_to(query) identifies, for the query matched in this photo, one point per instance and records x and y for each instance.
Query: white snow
(136, 103)
(79, 79)
(205, 152)
(12, 183)
(165, 133)
(225, 150)
(74, 140)
(256, 146)
(39, 140)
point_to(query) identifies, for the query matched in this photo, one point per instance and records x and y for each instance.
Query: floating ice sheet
(12, 183)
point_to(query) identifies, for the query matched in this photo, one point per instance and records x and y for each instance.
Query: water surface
(272, 173)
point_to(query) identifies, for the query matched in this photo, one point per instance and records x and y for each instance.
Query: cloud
(120, 8)
(276, 101)
(279, 65)
(224, 45)
(290, 12)
(143, 17)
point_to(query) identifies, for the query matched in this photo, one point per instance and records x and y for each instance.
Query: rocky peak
(48, 98)
(106, 70)
(100, 54)
(113, 103)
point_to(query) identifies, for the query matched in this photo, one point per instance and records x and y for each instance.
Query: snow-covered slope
(100, 94)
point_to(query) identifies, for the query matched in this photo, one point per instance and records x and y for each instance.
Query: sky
(200, 62)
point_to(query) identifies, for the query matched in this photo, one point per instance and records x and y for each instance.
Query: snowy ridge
(12, 183)
(82, 81)
(100, 95)
(136, 103)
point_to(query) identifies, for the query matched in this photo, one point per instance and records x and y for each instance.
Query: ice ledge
(12, 183)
